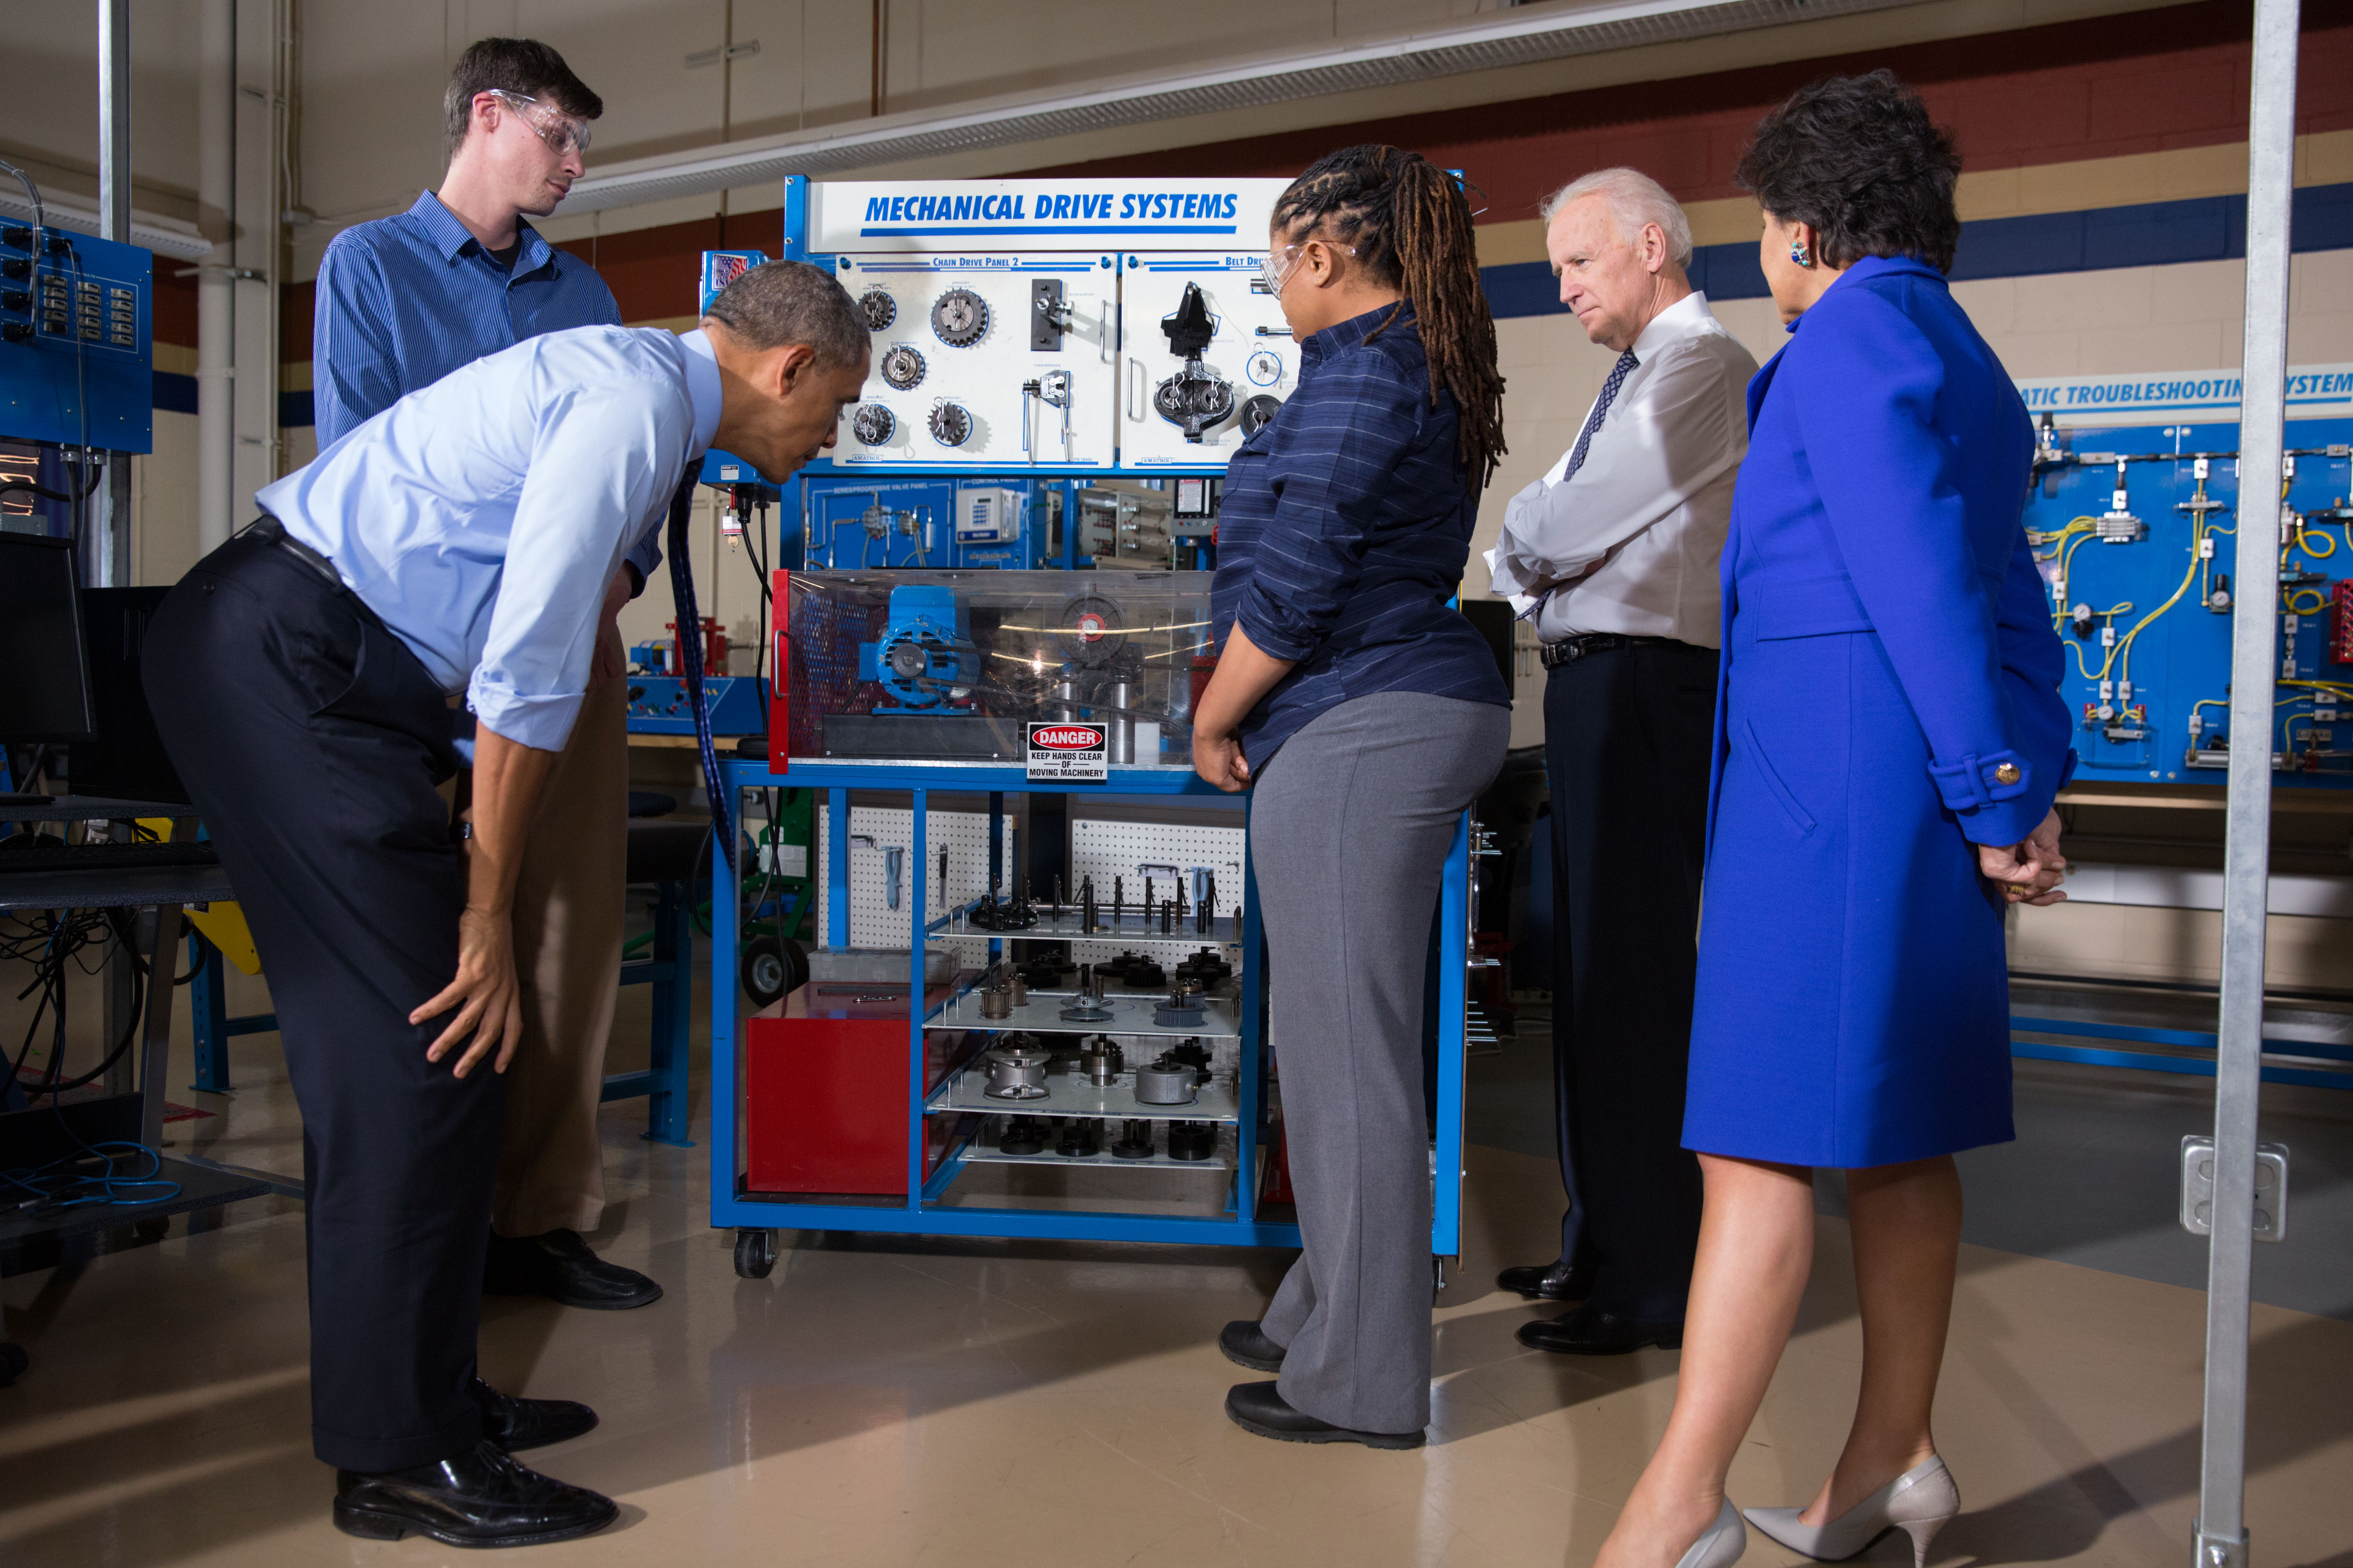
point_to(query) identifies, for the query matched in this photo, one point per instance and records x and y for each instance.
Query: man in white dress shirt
(1614, 553)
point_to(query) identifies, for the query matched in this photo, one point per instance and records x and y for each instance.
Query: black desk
(203, 1182)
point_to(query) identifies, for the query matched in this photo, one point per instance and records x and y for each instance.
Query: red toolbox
(825, 1095)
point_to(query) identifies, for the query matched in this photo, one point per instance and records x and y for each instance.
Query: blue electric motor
(924, 658)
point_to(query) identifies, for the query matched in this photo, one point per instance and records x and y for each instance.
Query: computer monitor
(45, 689)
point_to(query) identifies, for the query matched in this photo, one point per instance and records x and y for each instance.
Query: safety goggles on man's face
(561, 131)
(1274, 272)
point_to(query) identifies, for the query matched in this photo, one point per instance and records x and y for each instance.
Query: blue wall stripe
(2151, 234)
(174, 394)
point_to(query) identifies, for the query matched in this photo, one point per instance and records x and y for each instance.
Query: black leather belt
(269, 531)
(1568, 650)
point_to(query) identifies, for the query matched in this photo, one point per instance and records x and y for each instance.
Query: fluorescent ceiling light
(163, 235)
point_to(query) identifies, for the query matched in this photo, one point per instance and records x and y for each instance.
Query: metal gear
(951, 424)
(960, 317)
(901, 366)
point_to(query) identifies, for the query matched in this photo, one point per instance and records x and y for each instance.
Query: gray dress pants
(1349, 827)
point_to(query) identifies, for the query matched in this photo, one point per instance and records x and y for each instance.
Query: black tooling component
(1082, 1138)
(1192, 1140)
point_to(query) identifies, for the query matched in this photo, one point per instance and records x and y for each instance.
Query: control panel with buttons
(76, 340)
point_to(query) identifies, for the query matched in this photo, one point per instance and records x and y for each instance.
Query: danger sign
(1064, 752)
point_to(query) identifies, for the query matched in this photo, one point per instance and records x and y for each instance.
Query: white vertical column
(216, 292)
(2222, 1528)
(253, 455)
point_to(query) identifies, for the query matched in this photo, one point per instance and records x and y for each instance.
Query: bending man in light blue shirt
(403, 302)
(459, 541)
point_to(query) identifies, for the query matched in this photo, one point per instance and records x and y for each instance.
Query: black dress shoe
(515, 1424)
(481, 1497)
(1258, 1407)
(1546, 1281)
(1588, 1331)
(560, 1267)
(1245, 1343)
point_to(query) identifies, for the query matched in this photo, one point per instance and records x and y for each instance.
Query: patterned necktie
(690, 651)
(1618, 375)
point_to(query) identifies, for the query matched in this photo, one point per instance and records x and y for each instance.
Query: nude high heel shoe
(1720, 1544)
(1918, 1502)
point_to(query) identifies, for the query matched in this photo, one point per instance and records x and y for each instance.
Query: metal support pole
(2222, 1529)
(667, 1097)
(156, 1029)
(208, 1003)
(105, 559)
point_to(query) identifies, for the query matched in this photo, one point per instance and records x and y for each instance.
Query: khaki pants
(569, 908)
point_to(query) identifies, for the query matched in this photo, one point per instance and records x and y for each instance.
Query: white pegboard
(1104, 847)
(873, 922)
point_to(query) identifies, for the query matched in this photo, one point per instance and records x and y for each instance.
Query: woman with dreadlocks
(1366, 715)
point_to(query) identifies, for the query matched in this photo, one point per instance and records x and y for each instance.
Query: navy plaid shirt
(1344, 531)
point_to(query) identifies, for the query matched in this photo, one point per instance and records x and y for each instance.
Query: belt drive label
(1062, 753)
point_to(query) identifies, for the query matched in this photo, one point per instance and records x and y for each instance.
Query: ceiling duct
(1514, 38)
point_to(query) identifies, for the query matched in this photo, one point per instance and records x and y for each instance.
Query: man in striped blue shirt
(403, 302)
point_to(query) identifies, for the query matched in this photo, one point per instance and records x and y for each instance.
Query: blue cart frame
(757, 1216)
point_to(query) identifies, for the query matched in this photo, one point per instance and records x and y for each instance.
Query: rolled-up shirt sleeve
(1666, 446)
(603, 462)
(1339, 441)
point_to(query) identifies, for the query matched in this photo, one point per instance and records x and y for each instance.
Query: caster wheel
(773, 968)
(755, 1253)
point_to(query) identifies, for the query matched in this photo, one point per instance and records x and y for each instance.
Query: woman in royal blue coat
(1888, 739)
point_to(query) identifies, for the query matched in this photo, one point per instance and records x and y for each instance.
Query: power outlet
(2198, 1188)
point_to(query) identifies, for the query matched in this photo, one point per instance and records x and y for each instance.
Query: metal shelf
(978, 1152)
(1068, 1094)
(1130, 1013)
(1129, 931)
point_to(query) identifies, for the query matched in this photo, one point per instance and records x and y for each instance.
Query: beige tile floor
(979, 1403)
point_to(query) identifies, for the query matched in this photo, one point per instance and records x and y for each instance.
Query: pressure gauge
(878, 309)
(874, 424)
(951, 424)
(902, 367)
(960, 317)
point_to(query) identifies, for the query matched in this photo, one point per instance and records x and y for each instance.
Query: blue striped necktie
(690, 652)
(1618, 375)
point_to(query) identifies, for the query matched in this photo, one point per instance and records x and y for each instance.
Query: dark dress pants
(1627, 736)
(310, 740)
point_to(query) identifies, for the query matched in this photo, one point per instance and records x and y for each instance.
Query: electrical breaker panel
(77, 326)
(990, 516)
(994, 361)
(1206, 357)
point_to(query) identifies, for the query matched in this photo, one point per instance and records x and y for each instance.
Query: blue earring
(1798, 254)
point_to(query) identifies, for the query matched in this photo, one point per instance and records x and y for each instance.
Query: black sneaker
(481, 1497)
(1245, 1343)
(1259, 1407)
(560, 1267)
